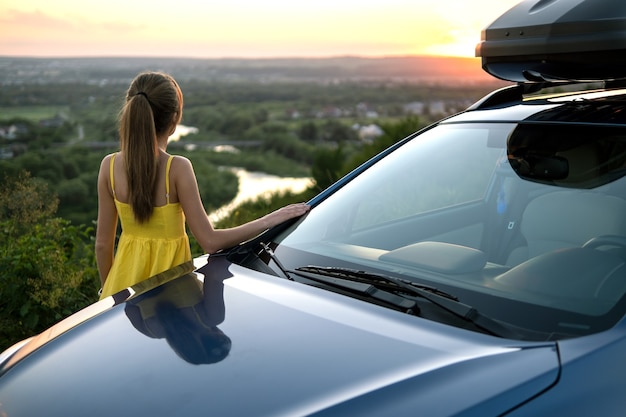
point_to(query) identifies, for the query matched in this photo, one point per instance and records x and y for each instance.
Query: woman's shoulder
(181, 173)
(107, 160)
(109, 156)
(180, 160)
(180, 165)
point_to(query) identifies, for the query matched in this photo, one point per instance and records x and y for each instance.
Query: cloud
(37, 25)
(39, 33)
(17, 24)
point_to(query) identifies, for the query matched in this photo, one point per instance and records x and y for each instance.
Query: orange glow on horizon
(244, 28)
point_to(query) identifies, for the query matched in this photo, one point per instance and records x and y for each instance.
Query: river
(253, 185)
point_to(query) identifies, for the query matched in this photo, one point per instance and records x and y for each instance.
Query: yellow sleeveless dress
(147, 249)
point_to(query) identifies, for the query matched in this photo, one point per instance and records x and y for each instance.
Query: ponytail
(152, 102)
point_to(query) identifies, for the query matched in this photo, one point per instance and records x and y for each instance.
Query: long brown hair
(153, 102)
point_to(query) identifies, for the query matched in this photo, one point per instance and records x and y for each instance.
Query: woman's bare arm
(107, 222)
(211, 240)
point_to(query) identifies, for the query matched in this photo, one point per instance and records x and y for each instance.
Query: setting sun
(244, 28)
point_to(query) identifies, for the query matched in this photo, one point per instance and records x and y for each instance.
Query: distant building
(365, 110)
(437, 107)
(8, 132)
(368, 133)
(292, 114)
(6, 153)
(12, 132)
(330, 112)
(415, 107)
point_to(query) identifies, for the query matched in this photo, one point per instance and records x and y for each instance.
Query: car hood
(226, 340)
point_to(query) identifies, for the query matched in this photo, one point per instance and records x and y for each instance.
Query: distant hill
(422, 69)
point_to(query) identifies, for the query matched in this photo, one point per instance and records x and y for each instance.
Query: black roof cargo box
(557, 40)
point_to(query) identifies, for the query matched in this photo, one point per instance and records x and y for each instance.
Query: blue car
(475, 268)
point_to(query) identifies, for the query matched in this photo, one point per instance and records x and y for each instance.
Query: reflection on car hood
(244, 343)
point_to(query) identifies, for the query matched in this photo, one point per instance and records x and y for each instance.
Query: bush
(47, 266)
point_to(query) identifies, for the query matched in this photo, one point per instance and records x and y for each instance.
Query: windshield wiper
(364, 289)
(360, 282)
(388, 281)
(437, 297)
(270, 252)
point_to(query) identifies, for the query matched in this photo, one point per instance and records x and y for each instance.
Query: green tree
(327, 163)
(392, 133)
(334, 131)
(308, 132)
(47, 266)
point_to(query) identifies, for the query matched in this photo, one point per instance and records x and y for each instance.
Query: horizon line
(277, 57)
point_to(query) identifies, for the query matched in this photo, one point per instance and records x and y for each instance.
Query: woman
(153, 193)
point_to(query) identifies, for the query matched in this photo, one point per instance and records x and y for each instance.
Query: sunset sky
(244, 28)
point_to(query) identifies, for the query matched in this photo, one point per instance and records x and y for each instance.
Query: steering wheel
(606, 240)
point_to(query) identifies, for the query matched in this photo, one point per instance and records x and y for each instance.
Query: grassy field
(33, 113)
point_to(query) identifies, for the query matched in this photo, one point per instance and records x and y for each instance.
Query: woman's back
(161, 186)
(150, 247)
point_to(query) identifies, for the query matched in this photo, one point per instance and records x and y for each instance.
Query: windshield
(526, 223)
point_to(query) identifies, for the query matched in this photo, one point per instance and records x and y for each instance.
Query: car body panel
(588, 372)
(294, 350)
